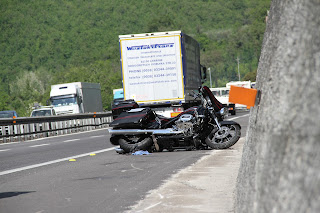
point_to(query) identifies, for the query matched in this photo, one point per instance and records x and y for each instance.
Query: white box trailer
(76, 97)
(160, 69)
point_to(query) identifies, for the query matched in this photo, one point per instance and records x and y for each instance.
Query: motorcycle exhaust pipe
(168, 131)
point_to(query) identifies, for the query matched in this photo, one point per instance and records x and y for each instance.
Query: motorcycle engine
(185, 123)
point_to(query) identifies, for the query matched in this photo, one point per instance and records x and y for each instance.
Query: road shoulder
(206, 186)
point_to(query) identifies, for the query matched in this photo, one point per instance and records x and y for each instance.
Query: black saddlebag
(121, 106)
(138, 118)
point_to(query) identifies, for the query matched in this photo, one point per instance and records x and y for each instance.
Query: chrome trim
(168, 131)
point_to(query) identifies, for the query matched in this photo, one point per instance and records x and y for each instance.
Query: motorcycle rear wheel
(134, 143)
(224, 138)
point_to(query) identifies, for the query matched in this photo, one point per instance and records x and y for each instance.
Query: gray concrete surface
(206, 186)
(280, 168)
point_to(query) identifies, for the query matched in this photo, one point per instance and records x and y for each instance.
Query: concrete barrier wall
(280, 167)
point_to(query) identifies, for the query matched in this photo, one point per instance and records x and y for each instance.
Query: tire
(114, 140)
(224, 138)
(133, 143)
(233, 112)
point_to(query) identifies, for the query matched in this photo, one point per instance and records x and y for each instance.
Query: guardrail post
(97, 122)
(46, 128)
(10, 131)
(84, 125)
(59, 126)
(19, 137)
(26, 129)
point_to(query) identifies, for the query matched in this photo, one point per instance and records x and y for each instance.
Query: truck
(160, 69)
(76, 97)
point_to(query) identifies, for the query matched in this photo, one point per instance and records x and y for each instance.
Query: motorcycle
(199, 127)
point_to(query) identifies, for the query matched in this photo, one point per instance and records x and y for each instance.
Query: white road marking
(71, 140)
(54, 161)
(238, 117)
(97, 136)
(45, 144)
(152, 206)
(4, 150)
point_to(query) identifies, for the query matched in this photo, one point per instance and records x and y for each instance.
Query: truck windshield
(64, 101)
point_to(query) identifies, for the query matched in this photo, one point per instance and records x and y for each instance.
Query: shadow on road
(12, 194)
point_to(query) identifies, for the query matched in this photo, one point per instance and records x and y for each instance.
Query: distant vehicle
(76, 97)
(7, 114)
(43, 111)
(222, 94)
(118, 94)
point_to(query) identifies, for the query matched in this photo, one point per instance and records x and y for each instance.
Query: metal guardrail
(28, 128)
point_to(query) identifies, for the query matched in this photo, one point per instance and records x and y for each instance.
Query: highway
(82, 173)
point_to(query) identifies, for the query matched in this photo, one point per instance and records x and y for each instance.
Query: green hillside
(57, 41)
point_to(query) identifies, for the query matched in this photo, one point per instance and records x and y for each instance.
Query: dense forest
(58, 41)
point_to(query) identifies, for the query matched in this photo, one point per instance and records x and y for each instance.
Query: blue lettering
(152, 46)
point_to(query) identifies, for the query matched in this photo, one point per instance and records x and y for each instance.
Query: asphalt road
(37, 176)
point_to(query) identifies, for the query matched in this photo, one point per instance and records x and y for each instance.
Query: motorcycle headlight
(222, 111)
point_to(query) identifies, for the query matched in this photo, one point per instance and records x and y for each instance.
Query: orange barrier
(240, 95)
(174, 114)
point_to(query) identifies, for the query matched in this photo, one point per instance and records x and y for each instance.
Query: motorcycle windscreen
(123, 105)
(215, 103)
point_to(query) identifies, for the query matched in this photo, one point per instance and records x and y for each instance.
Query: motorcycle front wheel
(134, 143)
(224, 138)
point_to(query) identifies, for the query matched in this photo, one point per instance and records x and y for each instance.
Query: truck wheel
(224, 138)
(133, 143)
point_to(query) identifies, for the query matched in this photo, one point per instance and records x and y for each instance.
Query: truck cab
(66, 99)
(76, 97)
(118, 95)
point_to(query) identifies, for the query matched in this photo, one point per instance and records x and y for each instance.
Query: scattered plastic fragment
(72, 160)
(92, 154)
(140, 152)
(119, 150)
